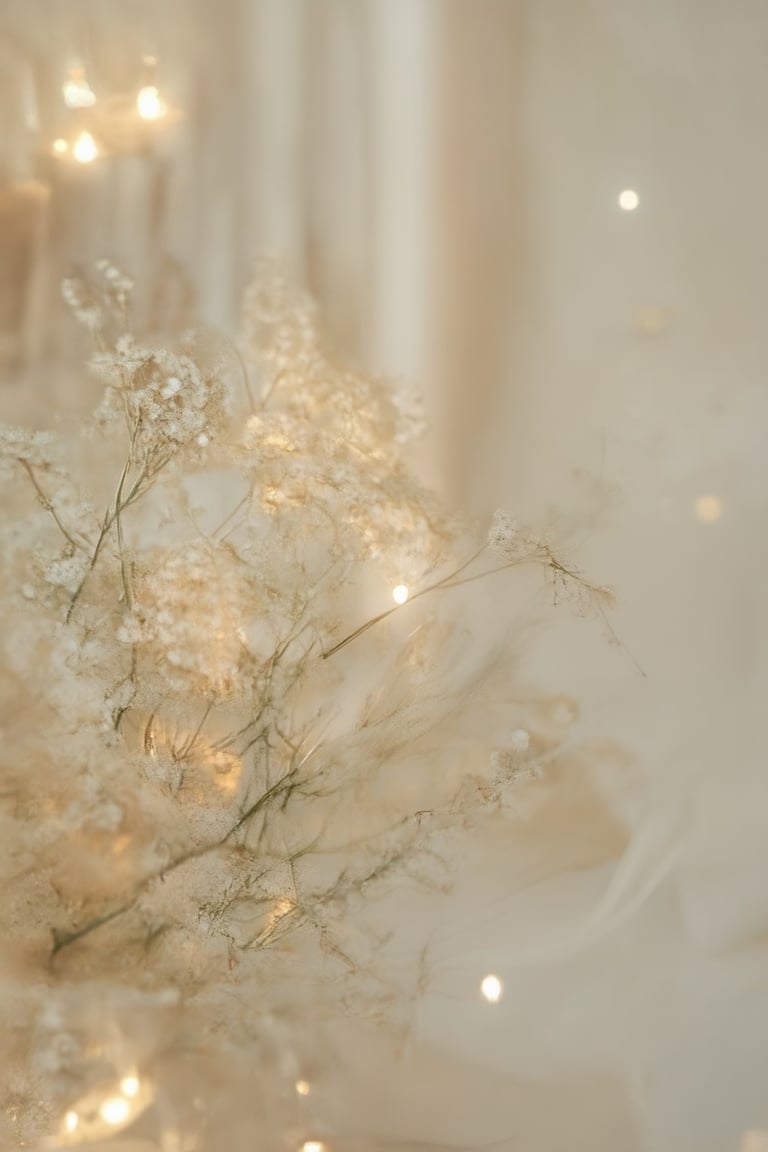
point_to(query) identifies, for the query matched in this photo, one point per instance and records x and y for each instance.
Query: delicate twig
(65, 939)
(48, 504)
(186, 748)
(442, 583)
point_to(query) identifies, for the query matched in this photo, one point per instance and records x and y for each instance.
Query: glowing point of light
(628, 200)
(492, 989)
(313, 1146)
(400, 594)
(129, 1085)
(755, 1140)
(76, 90)
(60, 146)
(303, 1087)
(149, 104)
(85, 149)
(115, 1110)
(71, 1121)
(708, 509)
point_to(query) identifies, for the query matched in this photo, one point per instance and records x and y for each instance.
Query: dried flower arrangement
(210, 765)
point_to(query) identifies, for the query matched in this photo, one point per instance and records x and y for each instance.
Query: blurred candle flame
(85, 149)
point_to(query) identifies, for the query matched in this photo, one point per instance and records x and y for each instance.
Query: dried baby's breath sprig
(99, 299)
(198, 797)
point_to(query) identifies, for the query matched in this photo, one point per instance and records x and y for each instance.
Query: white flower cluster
(169, 402)
(190, 611)
(82, 303)
(21, 444)
(94, 301)
(66, 572)
(118, 284)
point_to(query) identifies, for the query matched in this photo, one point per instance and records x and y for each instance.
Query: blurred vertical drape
(369, 145)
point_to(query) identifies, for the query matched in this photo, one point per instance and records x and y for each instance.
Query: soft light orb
(76, 90)
(71, 1121)
(708, 509)
(629, 200)
(85, 149)
(492, 989)
(303, 1087)
(149, 104)
(313, 1146)
(400, 593)
(129, 1085)
(115, 1110)
(59, 146)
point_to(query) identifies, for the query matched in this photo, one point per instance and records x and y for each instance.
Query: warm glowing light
(224, 762)
(492, 989)
(708, 509)
(652, 320)
(85, 149)
(282, 908)
(60, 146)
(71, 1121)
(629, 200)
(115, 1110)
(77, 91)
(400, 594)
(313, 1146)
(149, 104)
(303, 1087)
(129, 1085)
(755, 1140)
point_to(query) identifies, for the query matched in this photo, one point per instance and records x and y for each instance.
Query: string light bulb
(85, 149)
(492, 989)
(400, 593)
(105, 1110)
(303, 1088)
(129, 1085)
(149, 104)
(628, 200)
(115, 1110)
(313, 1146)
(59, 146)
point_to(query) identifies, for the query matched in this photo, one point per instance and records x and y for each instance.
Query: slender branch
(109, 518)
(246, 377)
(48, 504)
(187, 748)
(63, 940)
(443, 582)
